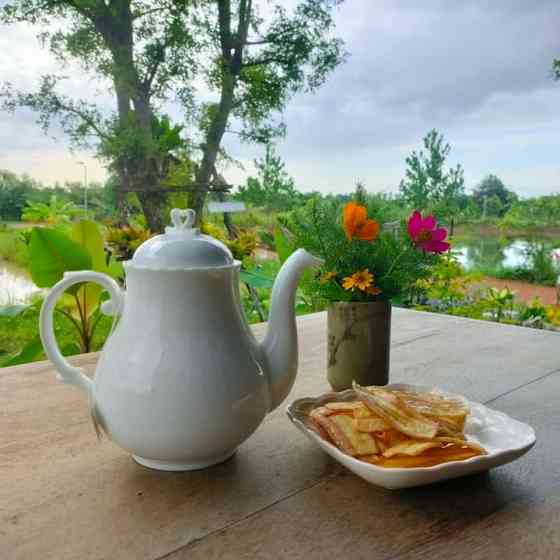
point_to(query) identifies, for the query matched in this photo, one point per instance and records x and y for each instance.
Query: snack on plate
(397, 429)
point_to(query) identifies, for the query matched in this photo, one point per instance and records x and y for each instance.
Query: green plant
(499, 301)
(534, 313)
(53, 253)
(55, 212)
(124, 240)
(542, 265)
(447, 283)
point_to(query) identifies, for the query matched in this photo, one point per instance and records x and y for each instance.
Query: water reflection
(492, 252)
(15, 284)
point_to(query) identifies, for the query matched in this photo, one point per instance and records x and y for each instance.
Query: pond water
(487, 252)
(15, 284)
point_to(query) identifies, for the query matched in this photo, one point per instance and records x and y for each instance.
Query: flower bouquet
(367, 266)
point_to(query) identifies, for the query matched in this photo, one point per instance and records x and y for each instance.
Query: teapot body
(180, 382)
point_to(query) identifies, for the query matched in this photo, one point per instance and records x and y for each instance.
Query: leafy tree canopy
(493, 197)
(427, 183)
(272, 188)
(251, 56)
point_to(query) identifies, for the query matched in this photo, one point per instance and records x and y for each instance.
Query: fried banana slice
(363, 443)
(411, 448)
(349, 406)
(363, 412)
(336, 435)
(393, 410)
(434, 404)
(371, 424)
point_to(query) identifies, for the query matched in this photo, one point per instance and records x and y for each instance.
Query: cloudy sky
(479, 71)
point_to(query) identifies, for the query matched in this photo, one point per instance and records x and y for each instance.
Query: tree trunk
(139, 173)
(152, 202)
(212, 143)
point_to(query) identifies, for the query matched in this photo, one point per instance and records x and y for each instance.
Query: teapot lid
(182, 247)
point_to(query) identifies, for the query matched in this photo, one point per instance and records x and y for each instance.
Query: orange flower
(372, 290)
(357, 225)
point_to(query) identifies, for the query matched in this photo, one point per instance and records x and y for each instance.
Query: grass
(13, 248)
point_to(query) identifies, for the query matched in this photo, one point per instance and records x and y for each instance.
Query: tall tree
(427, 183)
(144, 50)
(272, 188)
(492, 196)
(556, 68)
(252, 55)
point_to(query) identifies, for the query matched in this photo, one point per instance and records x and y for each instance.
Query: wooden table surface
(64, 495)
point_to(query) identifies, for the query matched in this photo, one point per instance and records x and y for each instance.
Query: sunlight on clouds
(53, 165)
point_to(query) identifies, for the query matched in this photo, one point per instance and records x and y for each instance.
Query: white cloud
(477, 71)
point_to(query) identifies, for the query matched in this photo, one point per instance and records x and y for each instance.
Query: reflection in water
(15, 284)
(492, 252)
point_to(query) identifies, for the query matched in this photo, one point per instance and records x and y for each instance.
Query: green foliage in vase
(390, 257)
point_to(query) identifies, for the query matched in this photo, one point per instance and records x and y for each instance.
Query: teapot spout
(280, 347)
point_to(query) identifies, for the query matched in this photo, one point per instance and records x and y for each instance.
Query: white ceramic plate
(504, 438)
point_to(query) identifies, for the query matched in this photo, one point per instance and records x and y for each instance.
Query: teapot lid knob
(182, 221)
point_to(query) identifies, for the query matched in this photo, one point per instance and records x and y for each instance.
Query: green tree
(427, 183)
(272, 188)
(492, 196)
(252, 55)
(143, 50)
(13, 195)
(556, 68)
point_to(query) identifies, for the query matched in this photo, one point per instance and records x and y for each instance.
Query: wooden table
(64, 495)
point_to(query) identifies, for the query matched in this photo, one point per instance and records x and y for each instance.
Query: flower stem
(393, 264)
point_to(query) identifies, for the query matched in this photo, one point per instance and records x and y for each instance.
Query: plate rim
(292, 413)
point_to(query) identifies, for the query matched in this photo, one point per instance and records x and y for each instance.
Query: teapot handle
(68, 373)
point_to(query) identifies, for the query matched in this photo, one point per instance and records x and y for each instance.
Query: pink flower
(426, 235)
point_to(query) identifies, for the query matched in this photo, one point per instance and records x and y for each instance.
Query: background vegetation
(485, 220)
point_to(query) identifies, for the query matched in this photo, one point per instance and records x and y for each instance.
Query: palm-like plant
(55, 212)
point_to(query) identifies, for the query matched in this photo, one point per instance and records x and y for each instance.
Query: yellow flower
(327, 277)
(362, 279)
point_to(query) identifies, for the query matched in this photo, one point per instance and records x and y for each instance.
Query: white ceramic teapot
(182, 381)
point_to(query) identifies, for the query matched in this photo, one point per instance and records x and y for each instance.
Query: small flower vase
(359, 344)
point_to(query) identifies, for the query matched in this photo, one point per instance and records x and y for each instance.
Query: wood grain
(64, 495)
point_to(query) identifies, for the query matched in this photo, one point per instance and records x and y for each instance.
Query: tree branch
(224, 21)
(245, 9)
(149, 12)
(88, 120)
(263, 62)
